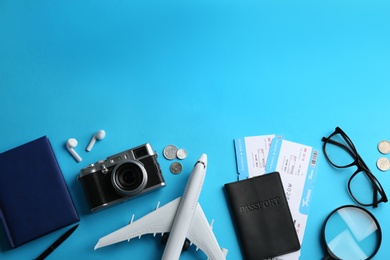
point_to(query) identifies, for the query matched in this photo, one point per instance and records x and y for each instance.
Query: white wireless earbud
(98, 136)
(70, 144)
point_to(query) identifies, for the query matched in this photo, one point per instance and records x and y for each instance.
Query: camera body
(121, 176)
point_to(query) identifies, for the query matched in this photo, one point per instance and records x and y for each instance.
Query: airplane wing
(160, 221)
(157, 221)
(201, 234)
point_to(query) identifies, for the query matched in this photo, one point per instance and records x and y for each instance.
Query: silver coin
(181, 154)
(384, 147)
(176, 167)
(170, 152)
(383, 164)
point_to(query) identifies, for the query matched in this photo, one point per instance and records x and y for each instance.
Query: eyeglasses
(363, 187)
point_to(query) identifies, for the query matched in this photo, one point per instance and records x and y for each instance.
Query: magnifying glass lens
(352, 233)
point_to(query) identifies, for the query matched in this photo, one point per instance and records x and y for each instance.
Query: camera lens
(129, 178)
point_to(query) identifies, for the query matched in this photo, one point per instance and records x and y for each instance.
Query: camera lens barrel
(129, 177)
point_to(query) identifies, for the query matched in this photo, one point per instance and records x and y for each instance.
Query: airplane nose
(203, 159)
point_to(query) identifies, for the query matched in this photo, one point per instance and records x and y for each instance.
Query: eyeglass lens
(362, 188)
(351, 233)
(339, 152)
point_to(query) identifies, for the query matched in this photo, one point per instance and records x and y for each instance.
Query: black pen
(56, 243)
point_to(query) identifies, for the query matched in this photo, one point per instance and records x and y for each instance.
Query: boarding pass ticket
(297, 165)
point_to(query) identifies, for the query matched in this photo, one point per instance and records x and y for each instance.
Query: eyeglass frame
(359, 163)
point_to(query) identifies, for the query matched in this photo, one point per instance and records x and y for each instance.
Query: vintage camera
(121, 176)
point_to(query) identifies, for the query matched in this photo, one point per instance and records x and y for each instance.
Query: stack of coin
(171, 152)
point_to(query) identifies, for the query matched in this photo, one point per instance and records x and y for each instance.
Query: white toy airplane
(182, 217)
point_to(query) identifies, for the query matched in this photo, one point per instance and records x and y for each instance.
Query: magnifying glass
(351, 232)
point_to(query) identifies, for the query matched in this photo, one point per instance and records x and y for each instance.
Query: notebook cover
(261, 217)
(34, 198)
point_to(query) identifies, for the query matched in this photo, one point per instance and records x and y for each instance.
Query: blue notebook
(34, 198)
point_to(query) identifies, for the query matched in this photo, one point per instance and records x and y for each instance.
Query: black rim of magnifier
(325, 244)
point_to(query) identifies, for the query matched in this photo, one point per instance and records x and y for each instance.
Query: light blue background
(196, 74)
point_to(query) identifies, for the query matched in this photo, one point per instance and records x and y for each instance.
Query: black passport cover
(262, 217)
(34, 198)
